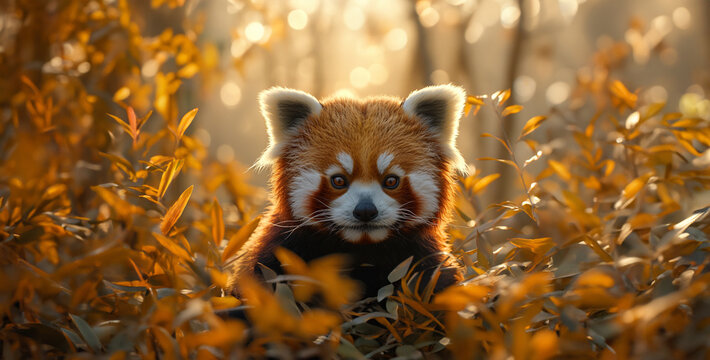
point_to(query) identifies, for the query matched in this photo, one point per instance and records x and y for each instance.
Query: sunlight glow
(681, 18)
(255, 31)
(429, 17)
(230, 94)
(359, 77)
(297, 19)
(558, 92)
(354, 18)
(396, 39)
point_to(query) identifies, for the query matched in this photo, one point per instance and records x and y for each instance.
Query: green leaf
(384, 292)
(400, 270)
(87, 332)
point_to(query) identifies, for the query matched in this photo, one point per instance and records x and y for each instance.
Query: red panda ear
(284, 111)
(440, 108)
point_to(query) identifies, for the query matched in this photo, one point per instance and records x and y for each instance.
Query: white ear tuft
(284, 111)
(440, 108)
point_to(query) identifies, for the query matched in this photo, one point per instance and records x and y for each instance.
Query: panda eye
(338, 182)
(391, 182)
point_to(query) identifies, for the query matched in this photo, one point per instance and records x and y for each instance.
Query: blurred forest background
(127, 128)
(536, 48)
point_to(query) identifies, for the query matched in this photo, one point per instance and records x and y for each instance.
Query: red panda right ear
(284, 111)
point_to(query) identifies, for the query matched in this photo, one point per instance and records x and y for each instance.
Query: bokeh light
(681, 18)
(354, 18)
(524, 87)
(359, 77)
(396, 39)
(557, 92)
(297, 19)
(230, 94)
(255, 31)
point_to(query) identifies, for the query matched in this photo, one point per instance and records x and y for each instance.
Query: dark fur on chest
(368, 263)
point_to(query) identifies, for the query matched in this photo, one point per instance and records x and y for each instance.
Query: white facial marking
(333, 169)
(302, 188)
(395, 169)
(342, 212)
(347, 161)
(383, 161)
(425, 188)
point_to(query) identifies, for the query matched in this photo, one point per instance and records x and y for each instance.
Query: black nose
(365, 210)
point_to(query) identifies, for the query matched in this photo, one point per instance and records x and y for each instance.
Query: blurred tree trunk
(423, 60)
(502, 188)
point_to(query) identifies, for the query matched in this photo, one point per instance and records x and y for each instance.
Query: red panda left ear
(284, 110)
(440, 108)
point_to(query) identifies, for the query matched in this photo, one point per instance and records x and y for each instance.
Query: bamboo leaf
(503, 142)
(172, 170)
(121, 94)
(217, 222)
(400, 270)
(504, 161)
(175, 211)
(560, 169)
(132, 123)
(238, 239)
(87, 333)
(483, 183)
(120, 121)
(173, 247)
(185, 122)
(531, 125)
(512, 109)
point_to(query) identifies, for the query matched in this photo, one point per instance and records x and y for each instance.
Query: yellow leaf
(185, 122)
(543, 345)
(223, 334)
(290, 262)
(217, 222)
(654, 109)
(573, 201)
(474, 100)
(560, 169)
(594, 278)
(219, 278)
(238, 239)
(53, 191)
(188, 71)
(634, 186)
(123, 124)
(224, 302)
(623, 94)
(171, 246)
(642, 221)
(318, 322)
(512, 109)
(172, 170)
(120, 163)
(481, 184)
(456, 298)
(609, 167)
(504, 161)
(501, 96)
(538, 246)
(503, 142)
(532, 124)
(337, 289)
(121, 94)
(175, 211)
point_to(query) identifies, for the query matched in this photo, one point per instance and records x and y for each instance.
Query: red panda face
(363, 169)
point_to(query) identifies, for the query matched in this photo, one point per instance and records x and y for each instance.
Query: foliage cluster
(113, 243)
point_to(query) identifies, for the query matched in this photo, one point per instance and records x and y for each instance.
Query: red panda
(372, 179)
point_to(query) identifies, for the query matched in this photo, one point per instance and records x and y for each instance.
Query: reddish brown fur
(364, 129)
